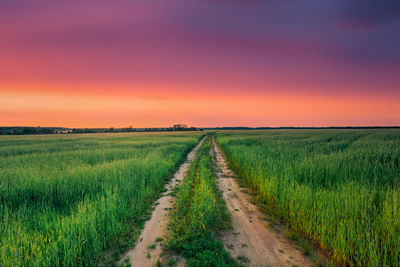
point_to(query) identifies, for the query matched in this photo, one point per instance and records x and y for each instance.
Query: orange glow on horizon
(157, 109)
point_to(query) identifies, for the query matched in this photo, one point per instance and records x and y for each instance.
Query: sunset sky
(204, 63)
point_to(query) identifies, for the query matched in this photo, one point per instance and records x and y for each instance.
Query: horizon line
(210, 127)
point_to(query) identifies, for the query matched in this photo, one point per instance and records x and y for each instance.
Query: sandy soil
(251, 236)
(143, 254)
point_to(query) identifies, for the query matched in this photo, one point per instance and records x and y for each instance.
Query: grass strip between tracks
(199, 214)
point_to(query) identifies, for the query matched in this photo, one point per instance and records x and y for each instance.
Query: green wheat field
(68, 200)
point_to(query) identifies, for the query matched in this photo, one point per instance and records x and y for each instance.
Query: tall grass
(65, 199)
(199, 214)
(339, 188)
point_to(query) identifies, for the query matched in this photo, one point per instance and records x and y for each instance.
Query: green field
(199, 214)
(66, 199)
(81, 200)
(338, 188)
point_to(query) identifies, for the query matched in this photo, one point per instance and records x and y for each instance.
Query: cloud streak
(365, 14)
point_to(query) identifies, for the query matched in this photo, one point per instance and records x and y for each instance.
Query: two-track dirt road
(251, 236)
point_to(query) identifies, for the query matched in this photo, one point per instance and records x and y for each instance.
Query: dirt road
(147, 250)
(251, 237)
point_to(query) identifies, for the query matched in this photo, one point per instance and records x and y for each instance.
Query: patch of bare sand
(251, 238)
(148, 249)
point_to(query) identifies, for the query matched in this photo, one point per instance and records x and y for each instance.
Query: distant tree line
(177, 127)
(33, 130)
(17, 130)
(84, 130)
(171, 129)
(59, 130)
(302, 128)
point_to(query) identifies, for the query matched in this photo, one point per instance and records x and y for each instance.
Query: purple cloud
(366, 14)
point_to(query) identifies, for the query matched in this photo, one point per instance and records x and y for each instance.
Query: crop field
(65, 199)
(338, 188)
(83, 200)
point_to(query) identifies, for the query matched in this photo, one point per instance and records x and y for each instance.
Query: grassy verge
(199, 214)
(77, 200)
(338, 189)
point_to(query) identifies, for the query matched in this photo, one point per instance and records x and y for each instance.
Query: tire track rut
(147, 251)
(251, 239)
